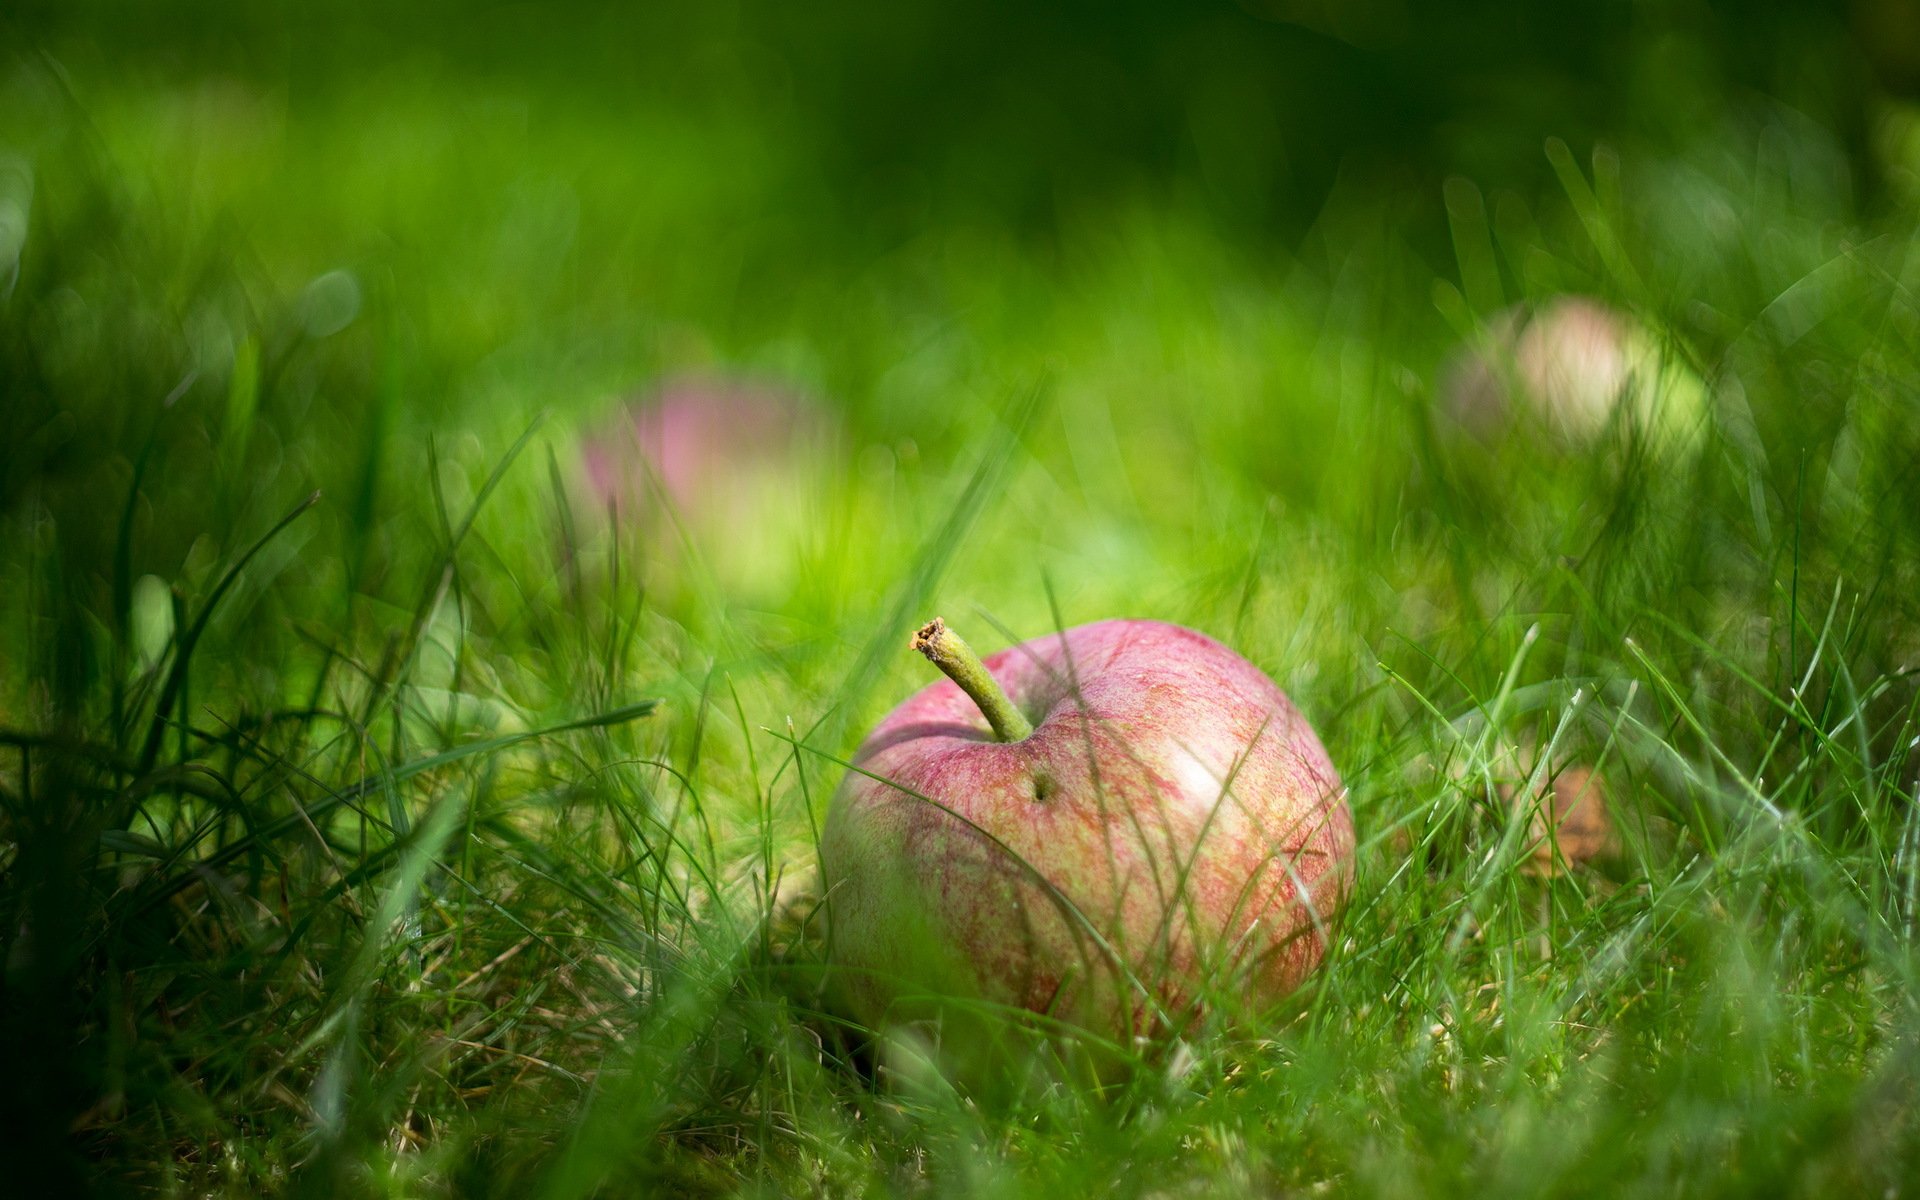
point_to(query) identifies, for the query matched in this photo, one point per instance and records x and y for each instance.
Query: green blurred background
(1222, 223)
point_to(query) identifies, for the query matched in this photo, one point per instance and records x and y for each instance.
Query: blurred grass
(359, 863)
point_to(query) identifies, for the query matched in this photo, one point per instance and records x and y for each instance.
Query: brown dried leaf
(1572, 826)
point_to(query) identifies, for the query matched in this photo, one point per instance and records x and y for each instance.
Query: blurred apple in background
(715, 472)
(1569, 372)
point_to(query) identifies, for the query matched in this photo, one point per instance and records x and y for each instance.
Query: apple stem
(945, 650)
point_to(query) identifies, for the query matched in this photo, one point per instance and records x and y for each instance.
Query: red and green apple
(1118, 825)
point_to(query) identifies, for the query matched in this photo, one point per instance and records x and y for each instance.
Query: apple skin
(1178, 807)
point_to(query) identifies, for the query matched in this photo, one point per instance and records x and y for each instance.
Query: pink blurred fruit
(726, 466)
(694, 439)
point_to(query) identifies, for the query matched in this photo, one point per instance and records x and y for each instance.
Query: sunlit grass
(442, 839)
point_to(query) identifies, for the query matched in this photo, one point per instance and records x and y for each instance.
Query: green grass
(430, 839)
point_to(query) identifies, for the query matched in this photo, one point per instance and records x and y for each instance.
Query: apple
(1571, 369)
(1114, 826)
(692, 437)
(714, 467)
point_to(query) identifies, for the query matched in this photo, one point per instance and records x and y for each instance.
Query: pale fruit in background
(720, 470)
(1144, 823)
(1569, 371)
